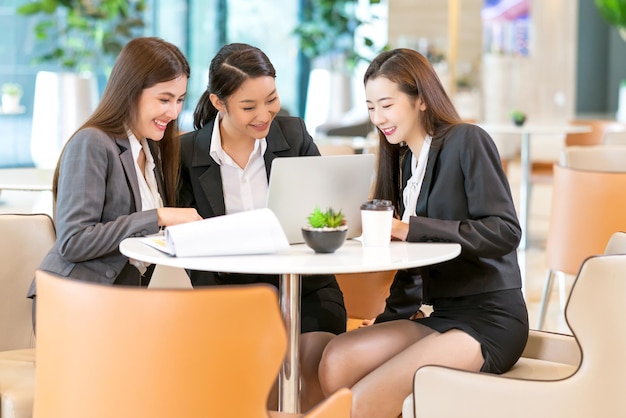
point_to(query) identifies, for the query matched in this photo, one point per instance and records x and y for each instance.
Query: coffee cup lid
(377, 204)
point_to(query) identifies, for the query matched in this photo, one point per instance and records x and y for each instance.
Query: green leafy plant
(328, 219)
(89, 34)
(613, 11)
(11, 89)
(518, 116)
(328, 28)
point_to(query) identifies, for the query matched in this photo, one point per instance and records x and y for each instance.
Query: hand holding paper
(252, 232)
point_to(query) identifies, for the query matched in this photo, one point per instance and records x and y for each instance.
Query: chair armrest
(551, 346)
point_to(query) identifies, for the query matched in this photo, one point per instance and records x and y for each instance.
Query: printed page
(251, 232)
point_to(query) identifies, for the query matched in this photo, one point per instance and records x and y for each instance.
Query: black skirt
(497, 320)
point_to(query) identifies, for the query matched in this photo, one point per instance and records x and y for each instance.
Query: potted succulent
(518, 117)
(326, 230)
(11, 95)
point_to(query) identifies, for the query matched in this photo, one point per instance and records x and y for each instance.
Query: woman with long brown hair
(118, 173)
(446, 181)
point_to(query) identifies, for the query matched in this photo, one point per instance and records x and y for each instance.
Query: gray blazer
(98, 205)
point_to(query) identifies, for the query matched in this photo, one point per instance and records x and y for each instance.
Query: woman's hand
(175, 216)
(367, 322)
(399, 229)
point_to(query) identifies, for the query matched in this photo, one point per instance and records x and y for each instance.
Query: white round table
(290, 265)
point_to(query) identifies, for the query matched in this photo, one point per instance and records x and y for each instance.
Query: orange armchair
(136, 352)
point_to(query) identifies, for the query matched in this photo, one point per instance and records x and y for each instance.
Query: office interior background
(573, 63)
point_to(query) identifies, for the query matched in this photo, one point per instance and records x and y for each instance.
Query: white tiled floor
(26, 202)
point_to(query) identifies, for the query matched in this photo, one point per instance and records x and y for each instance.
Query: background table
(527, 132)
(27, 179)
(30, 180)
(291, 264)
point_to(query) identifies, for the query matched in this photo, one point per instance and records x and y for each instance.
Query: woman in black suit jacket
(446, 179)
(226, 164)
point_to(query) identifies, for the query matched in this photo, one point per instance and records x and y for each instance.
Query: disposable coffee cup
(376, 217)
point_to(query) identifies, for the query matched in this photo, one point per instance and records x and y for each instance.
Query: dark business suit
(98, 205)
(201, 188)
(465, 198)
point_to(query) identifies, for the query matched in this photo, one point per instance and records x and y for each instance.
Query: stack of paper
(251, 232)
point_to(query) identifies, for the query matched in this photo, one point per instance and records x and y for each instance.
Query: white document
(251, 232)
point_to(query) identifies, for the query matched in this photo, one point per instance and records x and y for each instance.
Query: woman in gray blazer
(118, 173)
(446, 180)
(225, 169)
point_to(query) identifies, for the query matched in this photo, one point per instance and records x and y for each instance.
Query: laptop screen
(298, 184)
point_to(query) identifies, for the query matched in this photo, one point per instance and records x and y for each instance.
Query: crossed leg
(378, 363)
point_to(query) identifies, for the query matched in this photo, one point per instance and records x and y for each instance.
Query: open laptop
(299, 184)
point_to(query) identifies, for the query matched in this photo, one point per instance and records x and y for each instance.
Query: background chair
(26, 239)
(133, 352)
(595, 157)
(587, 208)
(364, 294)
(548, 356)
(541, 171)
(169, 277)
(595, 388)
(617, 244)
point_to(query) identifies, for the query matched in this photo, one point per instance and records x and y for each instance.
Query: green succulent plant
(518, 115)
(328, 219)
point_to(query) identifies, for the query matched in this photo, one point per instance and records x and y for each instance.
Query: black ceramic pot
(324, 241)
(519, 121)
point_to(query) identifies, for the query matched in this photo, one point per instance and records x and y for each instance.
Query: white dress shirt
(150, 196)
(244, 188)
(414, 185)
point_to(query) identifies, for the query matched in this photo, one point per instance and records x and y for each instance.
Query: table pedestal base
(289, 378)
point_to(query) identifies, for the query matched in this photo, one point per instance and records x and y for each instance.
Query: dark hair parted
(414, 76)
(142, 63)
(229, 69)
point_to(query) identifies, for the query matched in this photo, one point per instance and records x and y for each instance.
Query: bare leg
(312, 346)
(351, 356)
(379, 363)
(311, 349)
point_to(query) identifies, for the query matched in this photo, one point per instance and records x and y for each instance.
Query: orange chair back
(113, 351)
(364, 294)
(599, 130)
(587, 208)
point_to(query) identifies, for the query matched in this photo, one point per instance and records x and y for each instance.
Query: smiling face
(249, 111)
(158, 106)
(394, 112)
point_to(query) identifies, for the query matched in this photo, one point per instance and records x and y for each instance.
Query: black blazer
(201, 179)
(465, 198)
(201, 186)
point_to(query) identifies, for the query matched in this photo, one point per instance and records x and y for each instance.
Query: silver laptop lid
(299, 184)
